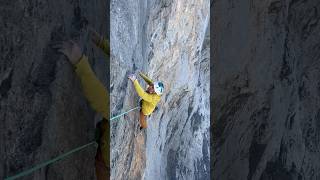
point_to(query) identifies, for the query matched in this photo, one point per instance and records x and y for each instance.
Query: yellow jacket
(104, 45)
(98, 98)
(149, 101)
(93, 89)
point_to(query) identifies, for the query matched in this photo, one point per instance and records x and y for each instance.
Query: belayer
(150, 97)
(96, 95)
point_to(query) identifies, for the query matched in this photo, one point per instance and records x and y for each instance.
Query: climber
(150, 97)
(96, 95)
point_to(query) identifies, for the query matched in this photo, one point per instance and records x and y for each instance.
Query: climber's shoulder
(156, 97)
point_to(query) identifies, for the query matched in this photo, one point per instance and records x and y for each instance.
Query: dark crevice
(5, 85)
(228, 113)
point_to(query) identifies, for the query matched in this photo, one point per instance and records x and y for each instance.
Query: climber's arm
(104, 45)
(146, 78)
(100, 42)
(145, 96)
(93, 89)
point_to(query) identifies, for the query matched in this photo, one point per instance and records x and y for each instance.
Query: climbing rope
(117, 116)
(62, 156)
(24, 173)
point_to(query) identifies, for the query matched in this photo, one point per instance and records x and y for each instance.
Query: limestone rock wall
(168, 40)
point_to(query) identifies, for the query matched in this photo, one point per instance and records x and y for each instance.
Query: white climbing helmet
(158, 87)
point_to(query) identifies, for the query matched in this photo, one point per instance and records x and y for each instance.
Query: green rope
(117, 116)
(62, 156)
(26, 172)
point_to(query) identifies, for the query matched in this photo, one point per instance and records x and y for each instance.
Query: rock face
(43, 112)
(266, 90)
(168, 40)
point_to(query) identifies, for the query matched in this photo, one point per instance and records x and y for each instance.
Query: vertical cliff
(43, 112)
(127, 33)
(266, 89)
(168, 40)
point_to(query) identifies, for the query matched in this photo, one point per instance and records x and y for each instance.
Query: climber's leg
(102, 171)
(98, 132)
(142, 119)
(143, 122)
(102, 156)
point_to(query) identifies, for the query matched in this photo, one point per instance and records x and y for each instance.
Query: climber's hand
(95, 37)
(132, 77)
(70, 49)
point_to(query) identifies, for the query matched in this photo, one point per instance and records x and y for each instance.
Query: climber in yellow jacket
(96, 95)
(150, 97)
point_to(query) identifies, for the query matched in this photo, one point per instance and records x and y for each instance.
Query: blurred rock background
(266, 90)
(43, 112)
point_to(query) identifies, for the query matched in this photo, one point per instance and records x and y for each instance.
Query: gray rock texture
(43, 112)
(168, 40)
(266, 90)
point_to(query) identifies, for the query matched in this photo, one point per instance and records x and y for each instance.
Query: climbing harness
(62, 156)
